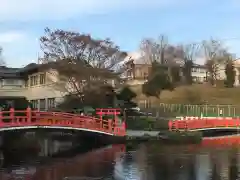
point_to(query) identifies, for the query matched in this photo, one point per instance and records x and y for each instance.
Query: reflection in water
(49, 147)
(95, 164)
(202, 172)
(145, 162)
(178, 163)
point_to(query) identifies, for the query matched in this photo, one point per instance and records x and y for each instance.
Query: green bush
(161, 125)
(146, 123)
(184, 137)
(139, 123)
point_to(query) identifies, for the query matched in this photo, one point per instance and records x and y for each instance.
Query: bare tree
(165, 68)
(214, 52)
(161, 51)
(2, 62)
(154, 50)
(81, 61)
(190, 52)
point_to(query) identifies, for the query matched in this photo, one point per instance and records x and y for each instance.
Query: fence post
(206, 110)
(229, 111)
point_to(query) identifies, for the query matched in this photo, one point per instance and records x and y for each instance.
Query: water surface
(148, 161)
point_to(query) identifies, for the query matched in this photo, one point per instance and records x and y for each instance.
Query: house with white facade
(138, 68)
(199, 73)
(40, 84)
(237, 70)
(35, 82)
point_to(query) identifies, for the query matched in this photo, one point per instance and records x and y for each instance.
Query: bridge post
(1, 118)
(170, 125)
(110, 125)
(123, 129)
(100, 113)
(12, 114)
(115, 125)
(115, 119)
(28, 114)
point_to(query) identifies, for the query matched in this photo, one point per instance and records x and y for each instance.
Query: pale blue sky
(126, 22)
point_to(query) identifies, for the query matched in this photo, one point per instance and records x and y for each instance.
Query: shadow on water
(220, 132)
(56, 160)
(211, 160)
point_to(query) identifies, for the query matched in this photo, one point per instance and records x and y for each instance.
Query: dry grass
(195, 94)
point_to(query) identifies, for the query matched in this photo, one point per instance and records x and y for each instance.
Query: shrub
(185, 137)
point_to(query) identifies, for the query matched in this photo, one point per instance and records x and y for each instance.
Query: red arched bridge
(204, 123)
(31, 119)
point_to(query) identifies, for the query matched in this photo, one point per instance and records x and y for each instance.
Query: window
(9, 81)
(145, 76)
(12, 82)
(33, 80)
(42, 104)
(42, 78)
(50, 103)
(26, 83)
(34, 104)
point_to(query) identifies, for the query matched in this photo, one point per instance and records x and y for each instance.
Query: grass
(183, 100)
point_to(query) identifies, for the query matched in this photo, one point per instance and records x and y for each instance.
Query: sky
(126, 22)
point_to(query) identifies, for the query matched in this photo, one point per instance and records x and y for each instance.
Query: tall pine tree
(230, 74)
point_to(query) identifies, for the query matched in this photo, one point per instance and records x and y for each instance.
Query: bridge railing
(204, 123)
(29, 117)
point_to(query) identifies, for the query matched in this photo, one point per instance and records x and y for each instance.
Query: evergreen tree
(187, 71)
(158, 80)
(230, 74)
(125, 101)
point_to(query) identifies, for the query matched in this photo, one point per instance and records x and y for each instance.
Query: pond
(147, 161)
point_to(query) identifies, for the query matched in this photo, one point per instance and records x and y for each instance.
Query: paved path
(135, 133)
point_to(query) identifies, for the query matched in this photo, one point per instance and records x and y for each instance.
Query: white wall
(199, 74)
(51, 89)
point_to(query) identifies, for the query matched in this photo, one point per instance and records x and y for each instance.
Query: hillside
(195, 94)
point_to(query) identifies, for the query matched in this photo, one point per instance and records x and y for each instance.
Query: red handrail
(29, 117)
(204, 123)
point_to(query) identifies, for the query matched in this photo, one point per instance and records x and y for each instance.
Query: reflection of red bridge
(216, 142)
(198, 124)
(30, 119)
(95, 164)
(221, 141)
